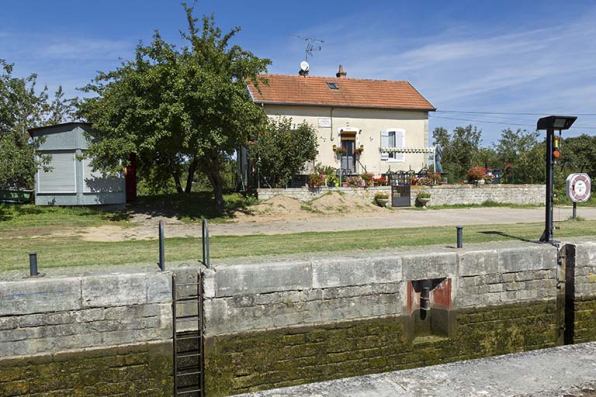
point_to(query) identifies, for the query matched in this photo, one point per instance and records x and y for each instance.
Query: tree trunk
(191, 174)
(212, 171)
(178, 184)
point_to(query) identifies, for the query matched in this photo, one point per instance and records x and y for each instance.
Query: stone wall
(92, 335)
(279, 324)
(441, 195)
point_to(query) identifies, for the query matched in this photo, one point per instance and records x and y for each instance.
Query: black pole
(33, 264)
(162, 253)
(547, 236)
(460, 236)
(574, 210)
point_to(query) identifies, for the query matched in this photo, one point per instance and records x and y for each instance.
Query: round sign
(579, 187)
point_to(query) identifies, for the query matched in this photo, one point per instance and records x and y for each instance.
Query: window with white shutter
(97, 182)
(393, 138)
(61, 178)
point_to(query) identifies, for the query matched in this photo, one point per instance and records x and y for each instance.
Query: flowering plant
(476, 173)
(340, 150)
(488, 178)
(316, 180)
(355, 181)
(381, 196)
(382, 181)
(367, 177)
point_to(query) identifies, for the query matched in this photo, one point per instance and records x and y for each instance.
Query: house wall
(370, 122)
(88, 189)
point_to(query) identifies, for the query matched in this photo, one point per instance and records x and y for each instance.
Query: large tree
(281, 150)
(23, 106)
(179, 109)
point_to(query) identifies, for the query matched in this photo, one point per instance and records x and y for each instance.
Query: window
(61, 177)
(333, 86)
(393, 138)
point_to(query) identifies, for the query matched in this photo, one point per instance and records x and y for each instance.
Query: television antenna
(310, 45)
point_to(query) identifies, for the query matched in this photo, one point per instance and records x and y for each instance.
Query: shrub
(476, 173)
(367, 177)
(382, 196)
(316, 180)
(355, 181)
(423, 195)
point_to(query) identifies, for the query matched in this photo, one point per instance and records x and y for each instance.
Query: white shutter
(384, 144)
(98, 182)
(400, 142)
(61, 177)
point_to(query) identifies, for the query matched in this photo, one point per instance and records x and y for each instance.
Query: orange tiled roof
(313, 90)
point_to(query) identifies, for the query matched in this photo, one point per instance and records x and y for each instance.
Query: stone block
(345, 272)
(114, 290)
(159, 287)
(40, 295)
(478, 263)
(428, 266)
(262, 278)
(527, 258)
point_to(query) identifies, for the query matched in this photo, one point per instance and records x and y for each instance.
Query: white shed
(72, 181)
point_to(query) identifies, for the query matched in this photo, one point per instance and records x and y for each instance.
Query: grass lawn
(63, 251)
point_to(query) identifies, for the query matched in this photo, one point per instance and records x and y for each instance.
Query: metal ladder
(187, 311)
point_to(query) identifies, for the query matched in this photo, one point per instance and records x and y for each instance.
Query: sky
(471, 59)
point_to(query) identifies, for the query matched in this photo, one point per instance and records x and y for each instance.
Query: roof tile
(313, 90)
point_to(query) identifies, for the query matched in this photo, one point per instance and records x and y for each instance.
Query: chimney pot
(340, 73)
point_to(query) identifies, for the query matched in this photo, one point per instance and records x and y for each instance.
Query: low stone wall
(94, 335)
(274, 324)
(441, 195)
(271, 325)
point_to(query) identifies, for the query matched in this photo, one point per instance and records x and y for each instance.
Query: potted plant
(340, 151)
(332, 180)
(423, 198)
(489, 178)
(476, 175)
(382, 199)
(367, 177)
(316, 180)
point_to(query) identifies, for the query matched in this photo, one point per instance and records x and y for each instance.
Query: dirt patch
(336, 203)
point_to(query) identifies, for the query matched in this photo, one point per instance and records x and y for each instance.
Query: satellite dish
(304, 66)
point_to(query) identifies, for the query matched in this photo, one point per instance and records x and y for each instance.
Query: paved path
(563, 371)
(400, 219)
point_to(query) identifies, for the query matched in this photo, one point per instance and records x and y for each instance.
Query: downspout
(332, 133)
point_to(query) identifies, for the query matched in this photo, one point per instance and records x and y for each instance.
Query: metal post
(460, 236)
(33, 264)
(162, 253)
(206, 260)
(547, 235)
(574, 210)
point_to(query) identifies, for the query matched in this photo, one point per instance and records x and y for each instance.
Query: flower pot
(382, 202)
(424, 200)
(480, 182)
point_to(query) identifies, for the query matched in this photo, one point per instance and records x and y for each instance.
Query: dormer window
(333, 86)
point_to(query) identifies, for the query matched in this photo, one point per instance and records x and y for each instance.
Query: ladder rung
(178, 393)
(190, 373)
(184, 355)
(192, 298)
(187, 317)
(188, 337)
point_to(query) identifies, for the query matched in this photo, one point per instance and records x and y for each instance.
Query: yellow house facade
(362, 125)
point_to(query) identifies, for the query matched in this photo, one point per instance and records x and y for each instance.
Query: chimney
(340, 73)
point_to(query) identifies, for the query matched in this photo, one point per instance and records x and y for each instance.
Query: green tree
(179, 109)
(282, 150)
(579, 155)
(23, 107)
(519, 153)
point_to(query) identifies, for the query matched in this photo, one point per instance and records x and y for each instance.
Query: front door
(348, 160)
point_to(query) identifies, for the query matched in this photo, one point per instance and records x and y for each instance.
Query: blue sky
(535, 57)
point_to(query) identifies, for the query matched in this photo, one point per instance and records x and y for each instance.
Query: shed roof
(359, 93)
(71, 123)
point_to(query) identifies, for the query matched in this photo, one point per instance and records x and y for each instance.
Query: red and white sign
(579, 187)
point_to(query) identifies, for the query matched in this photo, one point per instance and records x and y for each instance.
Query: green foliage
(179, 109)
(281, 151)
(22, 108)
(521, 156)
(460, 149)
(578, 154)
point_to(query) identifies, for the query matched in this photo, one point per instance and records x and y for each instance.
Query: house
(381, 125)
(70, 179)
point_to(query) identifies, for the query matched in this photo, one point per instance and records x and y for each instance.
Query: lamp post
(550, 124)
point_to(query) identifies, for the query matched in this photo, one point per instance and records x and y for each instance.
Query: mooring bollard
(460, 236)
(162, 254)
(33, 264)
